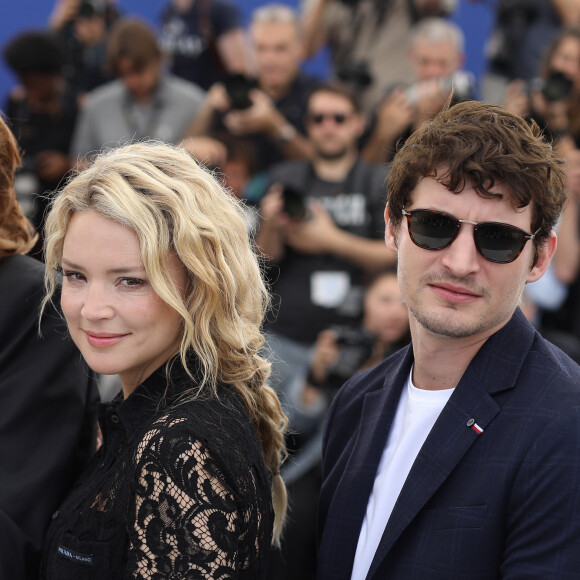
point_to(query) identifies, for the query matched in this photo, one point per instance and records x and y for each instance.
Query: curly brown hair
(17, 234)
(485, 145)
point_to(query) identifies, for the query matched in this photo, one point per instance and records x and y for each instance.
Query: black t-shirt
(293, 107)
(315, 291)
(189, 38)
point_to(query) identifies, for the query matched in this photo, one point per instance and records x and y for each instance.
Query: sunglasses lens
(339, 118)
(499, 243)
(317, 119)
(432, 230)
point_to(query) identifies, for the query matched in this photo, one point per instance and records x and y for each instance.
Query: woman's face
(120, 325)
(566, 58)
(385, 313)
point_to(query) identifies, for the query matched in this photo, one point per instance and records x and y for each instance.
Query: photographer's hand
(273, 223)
(314, 235)
(216, 101)
(432, 96)
(516, 100)
(261, 117)
(395, 114)
(325, 355)
(319, 235)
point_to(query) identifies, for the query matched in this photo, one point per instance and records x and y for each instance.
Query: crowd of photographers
(308, 156)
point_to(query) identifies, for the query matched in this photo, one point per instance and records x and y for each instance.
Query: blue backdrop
(473, 16)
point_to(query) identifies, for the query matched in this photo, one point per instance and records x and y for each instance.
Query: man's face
(140, 82)
(434, 60)
(333, 125)
(43, 91)
(455, 292)
(278, 52)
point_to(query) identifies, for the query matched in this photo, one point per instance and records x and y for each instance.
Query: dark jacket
(501, 504)
(48, 398)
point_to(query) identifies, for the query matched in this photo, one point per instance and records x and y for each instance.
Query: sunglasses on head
(496, 242)
(338, 118)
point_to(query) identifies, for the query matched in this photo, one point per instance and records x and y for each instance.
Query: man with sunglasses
(321, 230)
(459, 456)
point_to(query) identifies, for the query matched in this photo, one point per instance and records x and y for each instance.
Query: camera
(90, 8)
(356, 347)
(294, 203)
(556, 87)
(238, 87)
(462, 83)
(356, 74)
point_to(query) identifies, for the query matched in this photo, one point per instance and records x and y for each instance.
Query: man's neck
(441, 362)
(334, 169)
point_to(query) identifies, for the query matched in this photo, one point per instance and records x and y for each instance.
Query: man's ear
(545, 254)
(359, 124)
(390, 238)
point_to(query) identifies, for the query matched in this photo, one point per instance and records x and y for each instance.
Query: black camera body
(556, 87)
(357, 74)
(356, 347)
(238, 87)
(294, 203)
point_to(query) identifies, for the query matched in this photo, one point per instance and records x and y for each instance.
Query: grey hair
(276, 13)
(435, 29)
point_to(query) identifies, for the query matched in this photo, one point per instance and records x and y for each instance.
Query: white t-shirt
(416, 414)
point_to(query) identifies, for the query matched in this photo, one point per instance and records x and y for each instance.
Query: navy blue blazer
(501, 504)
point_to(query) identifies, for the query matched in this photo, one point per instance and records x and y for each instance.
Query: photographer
(267, 111)
(83, 27)
(521, 32)
(338, 354)
(367, 39)
(553, 99)
(435, 58)
(42, 112)
(318, 254)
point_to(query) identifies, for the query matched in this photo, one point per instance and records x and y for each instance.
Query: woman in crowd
(553, 99)
(161, 287)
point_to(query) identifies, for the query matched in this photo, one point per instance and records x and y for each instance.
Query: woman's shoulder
(216, 429)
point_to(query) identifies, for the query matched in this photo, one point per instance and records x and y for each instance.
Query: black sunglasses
(338, 118)
(496, 242)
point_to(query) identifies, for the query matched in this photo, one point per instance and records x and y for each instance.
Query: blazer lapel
(354, 489)
(471, 405)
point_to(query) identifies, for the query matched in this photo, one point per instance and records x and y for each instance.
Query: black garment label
(77, 557)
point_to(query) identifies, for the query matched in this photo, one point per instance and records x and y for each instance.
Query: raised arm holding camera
(552, 98)
(367, 40)
(267, 110)
(435, 57)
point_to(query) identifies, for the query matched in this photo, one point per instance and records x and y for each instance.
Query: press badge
(329, 289)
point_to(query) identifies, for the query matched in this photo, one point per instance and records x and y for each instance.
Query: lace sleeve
(184, 521)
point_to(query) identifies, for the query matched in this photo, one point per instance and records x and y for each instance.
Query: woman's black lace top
(177, 491)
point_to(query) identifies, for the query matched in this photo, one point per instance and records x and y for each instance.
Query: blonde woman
(162, 288)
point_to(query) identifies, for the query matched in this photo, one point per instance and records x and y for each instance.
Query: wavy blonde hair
(175, 207)
(17, 234)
